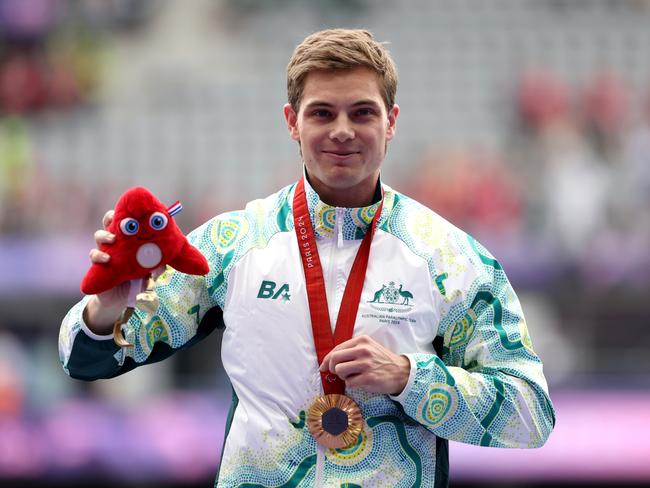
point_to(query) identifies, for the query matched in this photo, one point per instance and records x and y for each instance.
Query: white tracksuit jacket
(426, 280)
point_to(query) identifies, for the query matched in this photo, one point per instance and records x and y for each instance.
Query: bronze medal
(335, 421)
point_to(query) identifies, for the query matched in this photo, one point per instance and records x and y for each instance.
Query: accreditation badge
(335, 421)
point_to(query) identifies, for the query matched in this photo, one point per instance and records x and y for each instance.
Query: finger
(354, 341)
(362, 340)
(350, 368)
(356, 381)
(345, 355)
(327, 364)
(104, 237)
(108, 218)
(97, 256)
(367, 381)
(121, 291)
(350, 343)
(336, 356)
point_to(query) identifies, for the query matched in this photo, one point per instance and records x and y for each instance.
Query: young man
(323, 398)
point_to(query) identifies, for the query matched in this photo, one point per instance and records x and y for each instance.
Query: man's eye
(364, 112)
(321, 113)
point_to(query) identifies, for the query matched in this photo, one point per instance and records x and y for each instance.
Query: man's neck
(346, 198)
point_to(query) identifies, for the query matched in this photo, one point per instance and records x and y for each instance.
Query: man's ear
(392, 121)
(292, 121)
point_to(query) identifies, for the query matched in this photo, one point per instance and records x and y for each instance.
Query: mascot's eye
(158, 221)
(129, 226)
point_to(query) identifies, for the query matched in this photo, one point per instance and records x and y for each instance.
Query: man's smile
(340, 154)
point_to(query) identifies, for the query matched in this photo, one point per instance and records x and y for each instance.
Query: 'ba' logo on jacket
(270, 290)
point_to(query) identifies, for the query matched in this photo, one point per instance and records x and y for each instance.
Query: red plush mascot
(146, 238)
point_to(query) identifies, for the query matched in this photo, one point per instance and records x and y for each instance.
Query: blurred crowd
(569, 184)
(573, 179)
(52, 58)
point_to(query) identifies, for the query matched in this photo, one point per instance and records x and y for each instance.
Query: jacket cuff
(90, 333)
(430, 396)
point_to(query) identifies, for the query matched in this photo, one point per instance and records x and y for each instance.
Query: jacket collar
(353, 222)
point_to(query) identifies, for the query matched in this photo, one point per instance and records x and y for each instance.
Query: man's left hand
(364, 363)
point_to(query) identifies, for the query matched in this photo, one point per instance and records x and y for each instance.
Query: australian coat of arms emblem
(390, 294)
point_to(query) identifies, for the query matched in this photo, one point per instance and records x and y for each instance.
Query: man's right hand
(105, 308)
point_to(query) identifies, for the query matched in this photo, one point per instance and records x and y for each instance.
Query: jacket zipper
(320, 465)
(339, 227)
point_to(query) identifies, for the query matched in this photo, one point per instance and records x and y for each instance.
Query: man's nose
(342, 130)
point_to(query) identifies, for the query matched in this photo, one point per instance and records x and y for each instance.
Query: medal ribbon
(317, 296)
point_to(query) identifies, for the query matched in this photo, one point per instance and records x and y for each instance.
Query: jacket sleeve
(488, 387)
(186, 314)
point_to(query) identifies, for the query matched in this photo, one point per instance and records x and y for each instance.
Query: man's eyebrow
(319, 103)
(366, 102)
(322, 103)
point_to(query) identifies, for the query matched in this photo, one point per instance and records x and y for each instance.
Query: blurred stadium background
(525, 122)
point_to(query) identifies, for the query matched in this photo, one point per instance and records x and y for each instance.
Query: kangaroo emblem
(378, 295)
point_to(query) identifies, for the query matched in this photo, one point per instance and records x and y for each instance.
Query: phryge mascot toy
(146, 238)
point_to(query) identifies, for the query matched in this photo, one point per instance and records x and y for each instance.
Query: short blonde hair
(334, 49)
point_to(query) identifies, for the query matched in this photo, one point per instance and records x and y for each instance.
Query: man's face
(343, 129)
